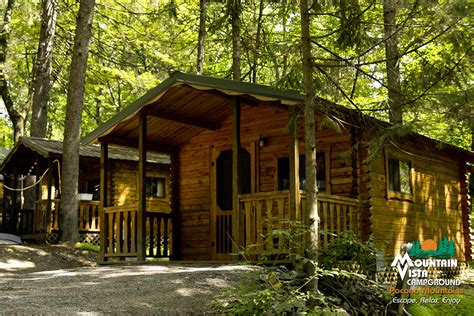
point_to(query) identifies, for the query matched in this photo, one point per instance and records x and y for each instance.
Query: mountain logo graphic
(444, 248)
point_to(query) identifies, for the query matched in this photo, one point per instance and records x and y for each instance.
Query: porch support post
(294, 198)
(294, 165)
(14, 215)
(236, 165)
(175, 233)
(104, 170)
(49, 197)
(38, 175)
(141, 218)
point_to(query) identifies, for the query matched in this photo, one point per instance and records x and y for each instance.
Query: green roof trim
(3, 153)
(183, 78)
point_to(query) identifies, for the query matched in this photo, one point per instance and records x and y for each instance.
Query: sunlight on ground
(190, 292)
(25, 249)
(152, 269)
(14, 265)
(122, 271)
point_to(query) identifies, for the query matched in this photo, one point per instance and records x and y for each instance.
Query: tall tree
(201, 36)
(311, 217)
(17, 113)
(42, 82)
(256, 51)
(72, 126)
(236, 7)
(392, 62)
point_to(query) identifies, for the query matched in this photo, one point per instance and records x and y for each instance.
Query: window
(284, 172)
(399, 176)
(155, 187)
(93, 187)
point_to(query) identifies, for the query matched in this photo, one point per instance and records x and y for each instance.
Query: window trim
(399, 195)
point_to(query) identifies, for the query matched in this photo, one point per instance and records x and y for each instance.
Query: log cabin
(238, 173)
(34, 167)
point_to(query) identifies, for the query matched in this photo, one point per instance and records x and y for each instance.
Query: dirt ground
(55, 279)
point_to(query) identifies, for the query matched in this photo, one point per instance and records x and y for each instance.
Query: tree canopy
(138, 43)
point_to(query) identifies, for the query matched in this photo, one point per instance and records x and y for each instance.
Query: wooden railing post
(141, 218)
(104, 155)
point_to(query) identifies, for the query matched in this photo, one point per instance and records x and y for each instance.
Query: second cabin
(33, 173)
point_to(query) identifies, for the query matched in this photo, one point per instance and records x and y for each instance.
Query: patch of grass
(87, 246)
(465, 306)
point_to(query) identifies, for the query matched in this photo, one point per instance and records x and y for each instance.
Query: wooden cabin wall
(124, 185)
(194, 161)
(434, 211)
(122, 182)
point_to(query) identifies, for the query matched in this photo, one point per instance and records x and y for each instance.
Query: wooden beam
(134, 143)
(236, 165)
(14, 216)
(49, 197)
(104, 170)
(141, 216)
(249, 100)
(294, 157)
(181, 119)
(294, 166)
(38, 175)
(175, 233)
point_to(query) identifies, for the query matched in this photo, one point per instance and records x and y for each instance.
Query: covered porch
(198, 121)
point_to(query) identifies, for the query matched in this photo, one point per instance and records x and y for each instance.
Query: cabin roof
(47, 147)
(184, 105)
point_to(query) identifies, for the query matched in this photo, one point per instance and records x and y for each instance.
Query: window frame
(154, 175)
(327, 167)
(390, 154)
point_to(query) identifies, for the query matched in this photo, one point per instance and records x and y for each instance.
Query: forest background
(137, 43)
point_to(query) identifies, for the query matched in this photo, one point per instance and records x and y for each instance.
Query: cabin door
(221, 195)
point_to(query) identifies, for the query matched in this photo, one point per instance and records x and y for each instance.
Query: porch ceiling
(182, 107)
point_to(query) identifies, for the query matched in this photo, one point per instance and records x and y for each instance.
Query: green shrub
(87, 246)
(347, 247)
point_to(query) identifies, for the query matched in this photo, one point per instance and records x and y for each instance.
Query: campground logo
(418, 257)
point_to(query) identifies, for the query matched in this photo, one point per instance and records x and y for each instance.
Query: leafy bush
(347, 247)
(279, 290)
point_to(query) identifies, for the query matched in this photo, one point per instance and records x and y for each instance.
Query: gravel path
(152, 288)
(139, 289)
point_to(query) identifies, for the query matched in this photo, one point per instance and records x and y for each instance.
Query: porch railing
(36, 221)
(267, 219)
(121, 232)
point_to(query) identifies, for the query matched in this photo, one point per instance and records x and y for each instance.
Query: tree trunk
(72, 132)
(17, 116)
(392, 63)
(201, 36)
(256, 51)
(42, 83)
(236, 47)
(311, 219)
